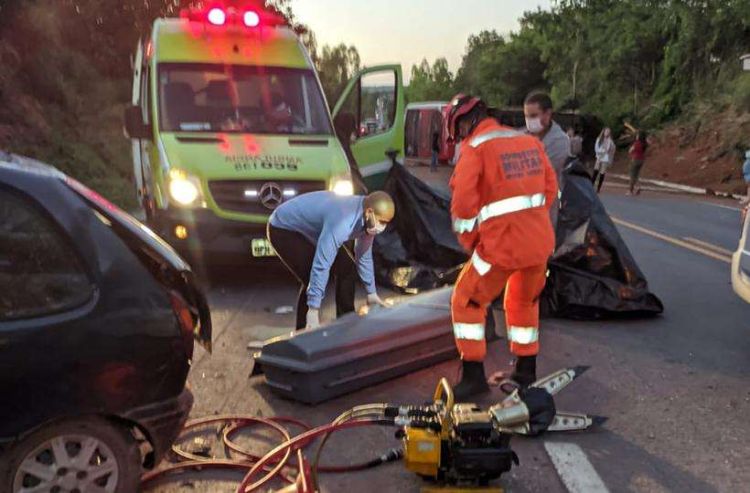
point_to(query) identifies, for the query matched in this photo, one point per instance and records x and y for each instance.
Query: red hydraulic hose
(194, 461)
(273, 463)
(294, 444)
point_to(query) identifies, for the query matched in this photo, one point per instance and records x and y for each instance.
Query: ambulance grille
(252, 196)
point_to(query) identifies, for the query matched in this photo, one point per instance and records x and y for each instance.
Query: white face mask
(375, 227)
(534, 125)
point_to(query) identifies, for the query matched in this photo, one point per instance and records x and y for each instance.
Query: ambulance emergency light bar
(220, 15)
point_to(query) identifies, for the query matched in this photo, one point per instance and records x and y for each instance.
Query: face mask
(534, 125)
(373, 226)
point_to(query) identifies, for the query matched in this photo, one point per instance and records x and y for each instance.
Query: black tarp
(419, 250)
(592, 274)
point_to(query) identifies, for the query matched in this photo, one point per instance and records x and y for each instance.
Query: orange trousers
(478, 285)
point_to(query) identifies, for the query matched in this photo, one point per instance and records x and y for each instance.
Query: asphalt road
(675, 388)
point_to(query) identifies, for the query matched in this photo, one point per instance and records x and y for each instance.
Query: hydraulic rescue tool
(455, 447)
(461, 444)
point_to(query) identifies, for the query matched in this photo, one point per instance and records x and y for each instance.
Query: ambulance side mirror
(134, 126)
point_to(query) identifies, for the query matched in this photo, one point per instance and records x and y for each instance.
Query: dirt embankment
(706, 152)
(55, 107)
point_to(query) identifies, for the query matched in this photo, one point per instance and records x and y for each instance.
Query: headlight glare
(343, 186)
(183, 189)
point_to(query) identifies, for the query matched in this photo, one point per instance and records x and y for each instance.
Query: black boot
(472, 382)
(525, 372)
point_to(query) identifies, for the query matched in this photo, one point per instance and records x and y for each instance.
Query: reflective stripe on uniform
(523, 335)
(480, 265)
(464, 225)
(497, 134)
(473, 332)
(512, 204)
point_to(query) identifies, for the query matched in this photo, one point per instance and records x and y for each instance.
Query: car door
(136, 101)
(741, 261)
(375, 98)
(142, 147)
(45, 290)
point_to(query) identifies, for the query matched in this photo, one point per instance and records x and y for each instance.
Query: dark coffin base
(355, 352)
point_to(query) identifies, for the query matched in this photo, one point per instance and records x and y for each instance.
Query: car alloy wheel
(68, 464)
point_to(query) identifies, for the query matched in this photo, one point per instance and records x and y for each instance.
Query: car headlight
(184, 189)
(342, 186)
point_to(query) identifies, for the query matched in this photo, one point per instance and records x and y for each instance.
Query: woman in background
(605, 156)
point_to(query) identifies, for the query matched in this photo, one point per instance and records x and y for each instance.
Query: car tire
(51, 454)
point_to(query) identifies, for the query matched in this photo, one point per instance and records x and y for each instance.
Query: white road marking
(736, 209)
(574, 468)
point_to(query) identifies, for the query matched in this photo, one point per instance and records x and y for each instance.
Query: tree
(467, 77)
(430, 83)
(336, 65)
(620, 59)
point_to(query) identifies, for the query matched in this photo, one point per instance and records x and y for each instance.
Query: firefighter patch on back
(521, 164)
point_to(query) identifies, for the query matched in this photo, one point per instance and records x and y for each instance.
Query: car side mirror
(134, 126)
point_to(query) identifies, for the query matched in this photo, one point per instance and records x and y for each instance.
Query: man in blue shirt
(309, 234)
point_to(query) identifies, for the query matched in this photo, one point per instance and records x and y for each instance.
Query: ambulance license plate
(261, 247)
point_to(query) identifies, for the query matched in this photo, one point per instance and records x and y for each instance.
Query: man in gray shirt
(537, 108)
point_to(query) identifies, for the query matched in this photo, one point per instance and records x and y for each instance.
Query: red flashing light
(217, 16)
(221, 16)
(251, 18)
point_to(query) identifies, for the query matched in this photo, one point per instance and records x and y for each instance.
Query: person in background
(576, 143)
(746, 175)
(435, 151)
(309, 234)
(637, 158)
(605, 156)
(537, 109)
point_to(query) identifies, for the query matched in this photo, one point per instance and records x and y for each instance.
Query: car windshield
(240, 99)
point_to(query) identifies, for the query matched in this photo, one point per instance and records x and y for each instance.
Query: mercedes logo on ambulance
(271, 195)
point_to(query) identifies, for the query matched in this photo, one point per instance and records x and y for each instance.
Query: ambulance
(228, 120)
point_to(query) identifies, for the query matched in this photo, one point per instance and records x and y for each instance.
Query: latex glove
(374, 299)
(313, 318)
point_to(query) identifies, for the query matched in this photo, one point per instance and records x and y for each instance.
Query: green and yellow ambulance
(228, 120)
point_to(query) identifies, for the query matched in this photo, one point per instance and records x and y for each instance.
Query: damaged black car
(98, 318)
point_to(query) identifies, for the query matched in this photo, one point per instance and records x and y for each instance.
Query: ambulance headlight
(342, 186)
(184, 189)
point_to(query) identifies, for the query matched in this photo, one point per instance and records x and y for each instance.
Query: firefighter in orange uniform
(503, 186)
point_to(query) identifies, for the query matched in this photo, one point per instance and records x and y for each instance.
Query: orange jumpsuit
(503, 187)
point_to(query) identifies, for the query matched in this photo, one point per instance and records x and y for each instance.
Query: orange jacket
(503, 187)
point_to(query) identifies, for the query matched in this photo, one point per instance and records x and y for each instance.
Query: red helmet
(461, 105)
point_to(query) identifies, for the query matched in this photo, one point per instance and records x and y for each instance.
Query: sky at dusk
(406, 31)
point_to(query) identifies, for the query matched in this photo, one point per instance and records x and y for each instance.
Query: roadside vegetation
(668, 66)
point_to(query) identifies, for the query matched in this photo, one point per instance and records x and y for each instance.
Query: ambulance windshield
(240, 99)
